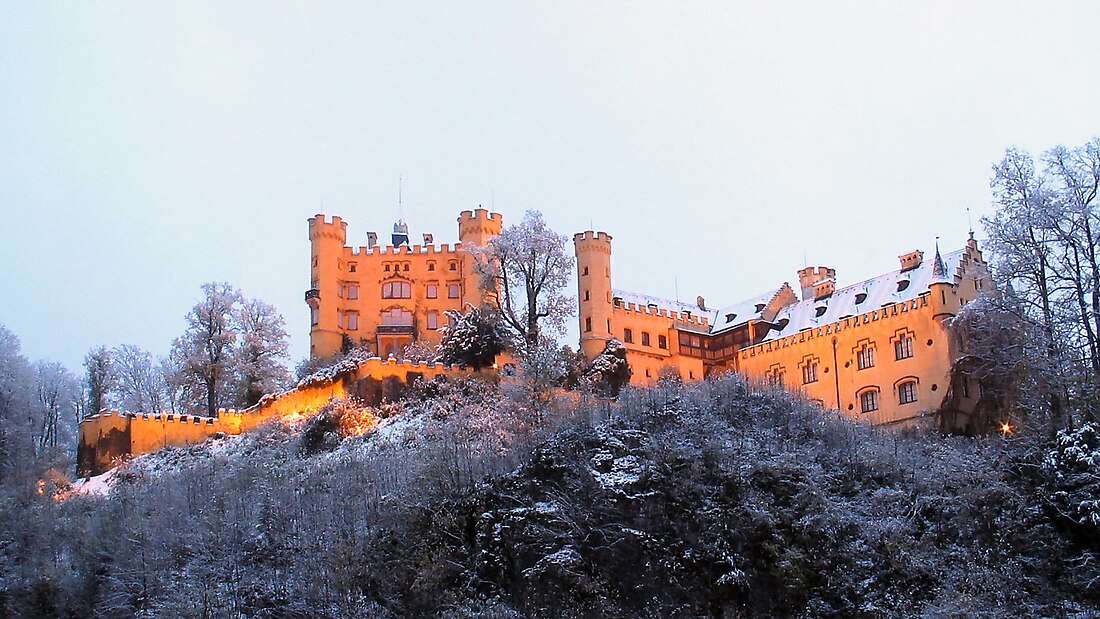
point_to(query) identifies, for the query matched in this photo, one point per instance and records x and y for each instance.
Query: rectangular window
(396, 290)
(662, 342)
(353, 320)
(433, 320)
(907, 392)
(313, 315)
(432, 291)
(588, 325)
(628, 336)
(645, 339)
(352, 267)
(868, 401)
(353, 291)
(452, 291)
(340, 291)
(775, 379)
(903, 347)
(809, 372)
(865, 358)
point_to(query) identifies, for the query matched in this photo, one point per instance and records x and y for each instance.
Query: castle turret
(810, 276)
(400, 233)
(943, 294)
(594, 290)
(475, 229)
(327, 244)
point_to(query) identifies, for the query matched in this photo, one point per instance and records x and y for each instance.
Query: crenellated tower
(475, 229)
(593, 250)
(327, 239)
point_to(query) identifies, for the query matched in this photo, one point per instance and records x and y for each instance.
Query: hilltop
(707, 499)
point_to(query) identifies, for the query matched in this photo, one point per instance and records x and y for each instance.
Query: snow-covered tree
(526, 270)
(99, 379)
(16, 420)
(263, 351)
(233, 352)
(474, 338)
(1043, 239)
(139, 382)
(608, 371)
(205, 349)
(57, 392)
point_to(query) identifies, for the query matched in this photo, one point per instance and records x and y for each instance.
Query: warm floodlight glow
(1006, 429)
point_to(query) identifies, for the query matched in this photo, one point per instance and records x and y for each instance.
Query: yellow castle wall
(105, 437)
(839, 375)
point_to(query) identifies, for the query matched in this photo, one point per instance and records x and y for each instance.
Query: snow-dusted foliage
(609, 371)
(1045, 243)
(1074, 468)
(233, 351)
(474, 338)
(527, 268)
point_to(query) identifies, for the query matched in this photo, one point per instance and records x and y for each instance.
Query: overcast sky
(148, 147)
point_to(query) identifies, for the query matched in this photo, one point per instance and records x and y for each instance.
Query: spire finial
(939, 269)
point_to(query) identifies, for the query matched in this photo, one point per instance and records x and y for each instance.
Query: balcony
(313, 297)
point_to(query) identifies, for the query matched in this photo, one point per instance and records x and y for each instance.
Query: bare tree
(263, 350)
(140, 384)
(526, 270)
(99, 378)
(205, 350)
(57, 392)
(1043, 239)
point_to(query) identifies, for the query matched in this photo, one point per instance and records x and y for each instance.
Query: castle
(388, 297)
(878, 350)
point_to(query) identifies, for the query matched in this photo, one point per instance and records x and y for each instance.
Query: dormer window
(902, 284)
(759, 307)
(820, 310)
(730, 317)
(861, 297)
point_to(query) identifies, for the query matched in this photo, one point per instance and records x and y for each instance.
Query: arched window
(396, 290)
(865, 356)
(809, 370)
(907, 391)
(868, 400)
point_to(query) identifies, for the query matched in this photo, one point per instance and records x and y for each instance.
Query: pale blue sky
(146, 148)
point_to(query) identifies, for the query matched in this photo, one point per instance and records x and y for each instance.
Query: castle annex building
(877, 350)
(390, 296)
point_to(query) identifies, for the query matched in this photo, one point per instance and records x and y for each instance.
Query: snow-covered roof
(860, 298)
(738, 313)
(643, 300)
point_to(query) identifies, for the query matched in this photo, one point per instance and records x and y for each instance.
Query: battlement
(888, 312)
(406, 250)
(655, 312)
(589, 235)
(335, 228)
(480, 214)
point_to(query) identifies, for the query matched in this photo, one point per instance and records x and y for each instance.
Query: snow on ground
(99, 485)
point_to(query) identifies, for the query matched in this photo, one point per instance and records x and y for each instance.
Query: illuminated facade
(877, 350)
(388, 297)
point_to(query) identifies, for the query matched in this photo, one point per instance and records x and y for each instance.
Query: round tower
(326, 241)
(943, 293)
(594, 290)
(475, 229)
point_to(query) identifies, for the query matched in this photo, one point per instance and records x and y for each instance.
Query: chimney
(700, 302)
(824, 288)
(911, 260)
